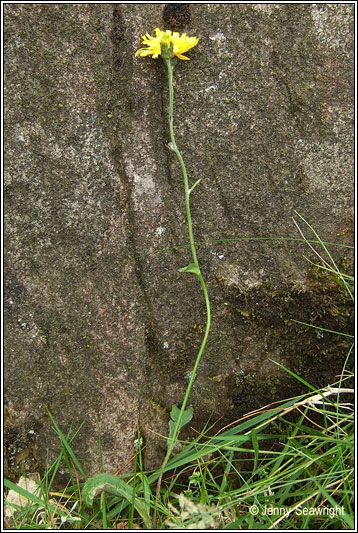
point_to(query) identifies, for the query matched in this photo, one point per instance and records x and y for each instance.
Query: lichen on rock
(100, 326)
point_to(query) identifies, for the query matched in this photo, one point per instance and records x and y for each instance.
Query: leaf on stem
(174, 414)
(193, 187)
(191, 268)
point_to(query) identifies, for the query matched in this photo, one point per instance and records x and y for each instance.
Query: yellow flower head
(166, 41)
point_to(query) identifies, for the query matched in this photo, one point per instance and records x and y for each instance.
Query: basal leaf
(116, 486)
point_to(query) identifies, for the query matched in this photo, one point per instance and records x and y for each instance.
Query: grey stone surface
(102, 329)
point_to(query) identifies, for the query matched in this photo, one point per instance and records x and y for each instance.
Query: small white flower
(138, 443)
(160, 230)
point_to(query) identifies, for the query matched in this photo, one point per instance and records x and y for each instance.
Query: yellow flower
(181, 44)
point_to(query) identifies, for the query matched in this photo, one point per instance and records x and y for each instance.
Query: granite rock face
(101, 327)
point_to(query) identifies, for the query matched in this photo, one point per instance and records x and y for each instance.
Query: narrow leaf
(66, 445)
(255, 445)
(193, 187)
(191, 268)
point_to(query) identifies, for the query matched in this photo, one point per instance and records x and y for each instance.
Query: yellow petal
(181, 43)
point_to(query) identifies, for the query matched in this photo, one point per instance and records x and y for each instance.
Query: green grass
(282, 462)
(288, 465)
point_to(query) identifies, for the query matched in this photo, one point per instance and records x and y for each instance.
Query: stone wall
(101, 327)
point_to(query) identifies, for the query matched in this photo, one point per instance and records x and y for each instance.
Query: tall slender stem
(181, 161)
(174, 147)
(174, 436)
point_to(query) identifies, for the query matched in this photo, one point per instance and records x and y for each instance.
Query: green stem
(174, 147)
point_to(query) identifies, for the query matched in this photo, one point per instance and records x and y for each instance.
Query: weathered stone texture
(101, 329)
